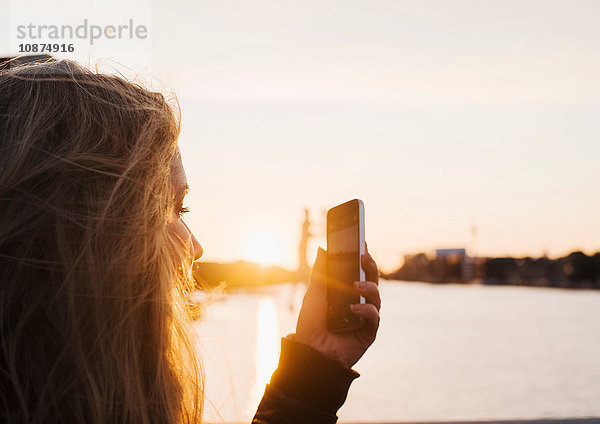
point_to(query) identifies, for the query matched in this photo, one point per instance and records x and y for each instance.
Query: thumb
(318, 275)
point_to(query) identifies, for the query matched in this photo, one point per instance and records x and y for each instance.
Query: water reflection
(452, 352)
(267, 349)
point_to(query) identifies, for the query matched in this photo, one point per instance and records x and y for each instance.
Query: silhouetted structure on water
(303, 271)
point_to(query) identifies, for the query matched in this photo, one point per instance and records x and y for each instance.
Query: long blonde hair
(92, 282)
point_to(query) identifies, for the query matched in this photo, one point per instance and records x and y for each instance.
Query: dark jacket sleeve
(306, 387)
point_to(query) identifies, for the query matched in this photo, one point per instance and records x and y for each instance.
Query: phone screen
(343, 265)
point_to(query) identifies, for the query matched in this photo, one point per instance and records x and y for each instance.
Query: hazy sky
(440, 115)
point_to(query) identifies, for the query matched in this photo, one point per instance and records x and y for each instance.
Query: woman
(95, 266)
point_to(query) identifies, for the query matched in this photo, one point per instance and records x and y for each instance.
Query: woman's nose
(197, 248)
(195, 243)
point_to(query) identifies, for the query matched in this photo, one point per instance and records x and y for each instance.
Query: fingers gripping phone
(345, 246)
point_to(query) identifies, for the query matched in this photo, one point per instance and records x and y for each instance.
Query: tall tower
(303, 271)
(473, 240)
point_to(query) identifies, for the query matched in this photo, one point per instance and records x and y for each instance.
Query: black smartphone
(345, 246)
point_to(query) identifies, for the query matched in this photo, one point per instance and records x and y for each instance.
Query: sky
(458, 123)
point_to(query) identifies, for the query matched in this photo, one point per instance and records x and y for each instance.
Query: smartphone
(345, 246)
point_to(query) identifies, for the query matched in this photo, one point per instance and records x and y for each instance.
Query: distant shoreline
(575, 271)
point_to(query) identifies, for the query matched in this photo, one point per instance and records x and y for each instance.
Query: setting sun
(264, 247)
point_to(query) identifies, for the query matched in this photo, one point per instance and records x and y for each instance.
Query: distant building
(415, 268)
(446, 266)
(452, 253)
(455, 265)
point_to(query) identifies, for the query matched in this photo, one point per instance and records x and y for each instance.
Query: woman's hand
(311, 329)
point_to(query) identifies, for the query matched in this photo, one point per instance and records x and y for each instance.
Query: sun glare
(264, 247)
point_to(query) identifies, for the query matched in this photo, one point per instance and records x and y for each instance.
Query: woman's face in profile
(179, 181)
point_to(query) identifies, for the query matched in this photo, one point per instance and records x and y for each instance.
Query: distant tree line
(576, 270)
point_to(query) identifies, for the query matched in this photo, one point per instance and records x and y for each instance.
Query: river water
(443, 352)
